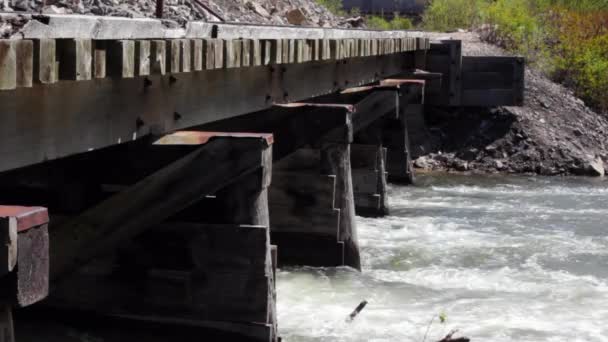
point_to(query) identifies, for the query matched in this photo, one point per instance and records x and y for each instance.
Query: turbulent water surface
(506, 259)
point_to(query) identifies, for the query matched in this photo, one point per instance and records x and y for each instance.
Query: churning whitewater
(506, 259)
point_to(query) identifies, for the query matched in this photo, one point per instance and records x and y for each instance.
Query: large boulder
(295, 17)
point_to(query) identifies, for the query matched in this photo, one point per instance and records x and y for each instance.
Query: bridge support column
(395, 135)
(312, 208)
(24, 262)
(369, 180)
(205, 260)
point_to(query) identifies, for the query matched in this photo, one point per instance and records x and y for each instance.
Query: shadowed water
(506, 259)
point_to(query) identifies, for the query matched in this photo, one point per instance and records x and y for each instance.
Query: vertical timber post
(335, 159)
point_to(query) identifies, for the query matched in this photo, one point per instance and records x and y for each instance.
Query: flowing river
(504, 258)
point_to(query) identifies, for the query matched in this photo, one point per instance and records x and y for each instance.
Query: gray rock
(257, 8)
(460, 165)
(295, 17)
(422, 163)
(596, 168)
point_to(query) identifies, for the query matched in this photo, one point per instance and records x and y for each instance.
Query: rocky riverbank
(554, 133)
(178, 12)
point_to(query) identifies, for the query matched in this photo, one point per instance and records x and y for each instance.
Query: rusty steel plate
(398, 82)
(350, 108)
(201, 138)
(26, 217)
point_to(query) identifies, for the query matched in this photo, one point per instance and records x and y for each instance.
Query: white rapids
(506, 259)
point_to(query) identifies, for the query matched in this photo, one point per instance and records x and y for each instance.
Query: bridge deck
(75, 83)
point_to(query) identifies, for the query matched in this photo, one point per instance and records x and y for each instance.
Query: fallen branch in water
(448, 338)
(355, 312)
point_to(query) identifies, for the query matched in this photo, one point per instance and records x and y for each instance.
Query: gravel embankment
(554, 133)
(178, 12)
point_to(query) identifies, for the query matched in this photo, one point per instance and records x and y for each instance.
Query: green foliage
(397, 23)
(378, 23)
(445, 15)
(334, 6)
(567, 39)
(520, 25)
(401, 23)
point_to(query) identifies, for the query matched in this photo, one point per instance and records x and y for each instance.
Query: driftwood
(357, 310)
(448, 338)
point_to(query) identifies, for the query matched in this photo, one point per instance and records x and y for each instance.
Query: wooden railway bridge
(161, 175)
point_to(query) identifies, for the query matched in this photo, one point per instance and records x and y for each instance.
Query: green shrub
(401, 23)
(334, 6)
(445, 15)
(397, 23)
(378, 23)
(567, 39)
(520, 26)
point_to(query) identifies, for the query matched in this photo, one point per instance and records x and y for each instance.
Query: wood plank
(367, 201)
(301, 189)
(99, 59)
(8, 65)
(24, 51)
(121, 59)
(46, 70)
(256, 58)
(197, 54)
(28, 283)
(365, 181)
(142, 58)
(7, 331)
(219, 53)
(292, 51)
(233, 53)
(8, 246)
(173, 60)
(75, 59)
(488, 97)
(130, 212)
(209, 53)
(246, 53)
(185, 55)
(485, 80)
(363, 156)
(284, 51)
(158, 57)
(311, 221)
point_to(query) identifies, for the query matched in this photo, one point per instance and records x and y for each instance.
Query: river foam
(507, 259)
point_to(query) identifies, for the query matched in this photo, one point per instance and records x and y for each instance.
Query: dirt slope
(554, 133)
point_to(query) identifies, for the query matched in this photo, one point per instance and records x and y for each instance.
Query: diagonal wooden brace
(219, 160)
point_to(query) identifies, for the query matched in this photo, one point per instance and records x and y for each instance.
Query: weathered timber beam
(24, 261)
(107, 112)
(216, 164)
(107, 28)
(24, 255)
(369, 103)
(293, 126)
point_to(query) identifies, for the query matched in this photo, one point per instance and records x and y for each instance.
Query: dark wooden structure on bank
(178, 167)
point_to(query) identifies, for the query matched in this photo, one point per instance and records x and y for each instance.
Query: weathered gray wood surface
(105, 112)
(128, 213)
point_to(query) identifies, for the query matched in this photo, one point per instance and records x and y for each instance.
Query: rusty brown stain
(26, 217)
